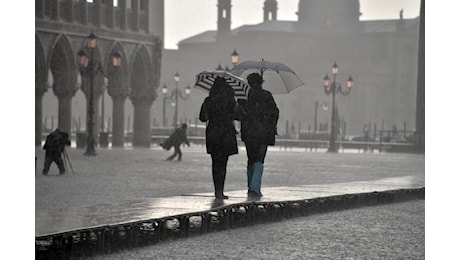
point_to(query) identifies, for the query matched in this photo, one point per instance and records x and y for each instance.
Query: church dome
(329, 12)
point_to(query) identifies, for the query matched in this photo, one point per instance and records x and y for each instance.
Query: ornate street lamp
(333, 88)
(104, 88)
(235, 56)
(164, 90)
(176, 94)
(91, 67)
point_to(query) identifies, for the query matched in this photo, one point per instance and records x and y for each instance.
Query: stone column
(142, 101)
(109, 14)
(83, 12)
(135, 19)
(118, 124)
(54, 9)
(72, 12)
(118, 91)
(97, 15)
(141, 125)
(97, 84)
(41, 87)
(64, 88)
(40, 8)
(65, 113)
(123, 14)
(38, 117)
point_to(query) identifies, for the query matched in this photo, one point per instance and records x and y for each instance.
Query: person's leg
(47, 164)
(223, 175)
(250, 164)
(261, 152)
(179, 152)
(60, 163)
(219, 163)
(174, 154)
(215, 173)
(256, 180)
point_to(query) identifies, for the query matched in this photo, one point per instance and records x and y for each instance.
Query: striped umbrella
(205, 80)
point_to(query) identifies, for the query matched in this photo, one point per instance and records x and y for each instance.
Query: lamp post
(106, 80)
(90, 67)
(176, 94)
(103, 135)
(164, 90)
(333, 88)
(235, 56)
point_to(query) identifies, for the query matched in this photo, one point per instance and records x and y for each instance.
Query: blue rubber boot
(256, 180)
(250, 170)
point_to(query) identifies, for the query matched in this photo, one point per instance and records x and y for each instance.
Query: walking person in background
(219, 110)
(178, 137)
(54, 147)
(258, 130)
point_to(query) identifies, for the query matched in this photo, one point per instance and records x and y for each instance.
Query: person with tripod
(55, 146)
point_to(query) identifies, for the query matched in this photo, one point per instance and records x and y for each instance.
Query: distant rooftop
(367, 26)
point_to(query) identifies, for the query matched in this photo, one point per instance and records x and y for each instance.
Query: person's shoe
(45, 173)
(222, 197)
(253, 195)
(61, 173)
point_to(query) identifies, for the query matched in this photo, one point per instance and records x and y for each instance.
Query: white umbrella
(205, 80)
(278, 77)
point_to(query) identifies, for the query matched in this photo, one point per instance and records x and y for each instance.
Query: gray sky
(181, 23)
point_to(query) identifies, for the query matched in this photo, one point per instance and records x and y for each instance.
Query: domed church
(380, 55)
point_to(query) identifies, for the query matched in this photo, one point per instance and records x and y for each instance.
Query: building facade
(133, 28)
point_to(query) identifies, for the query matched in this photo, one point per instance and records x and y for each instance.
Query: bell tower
(270, 8)
(224, 11)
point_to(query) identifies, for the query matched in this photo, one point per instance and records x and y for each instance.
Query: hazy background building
(380, 55)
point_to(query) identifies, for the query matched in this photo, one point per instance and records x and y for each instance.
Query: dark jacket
(260, 119)
(178, 137)
(56, 142)
(219, 110)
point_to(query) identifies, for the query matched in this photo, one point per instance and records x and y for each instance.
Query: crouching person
(54, 146)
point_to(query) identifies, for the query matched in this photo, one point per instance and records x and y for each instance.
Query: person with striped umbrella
(219, 110)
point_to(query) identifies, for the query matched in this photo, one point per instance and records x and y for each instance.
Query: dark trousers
(177, 151)
(255, 152)
(57, 158)
(219, 171)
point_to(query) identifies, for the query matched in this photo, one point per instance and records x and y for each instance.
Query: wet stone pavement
(116, 175)
(391, 231)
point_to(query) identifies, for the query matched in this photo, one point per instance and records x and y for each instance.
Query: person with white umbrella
(258, 130)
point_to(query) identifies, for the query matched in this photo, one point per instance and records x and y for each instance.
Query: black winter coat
(259, 122)
(55, 143)
(220, 111)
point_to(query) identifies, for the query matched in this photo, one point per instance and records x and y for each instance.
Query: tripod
(67, 159)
